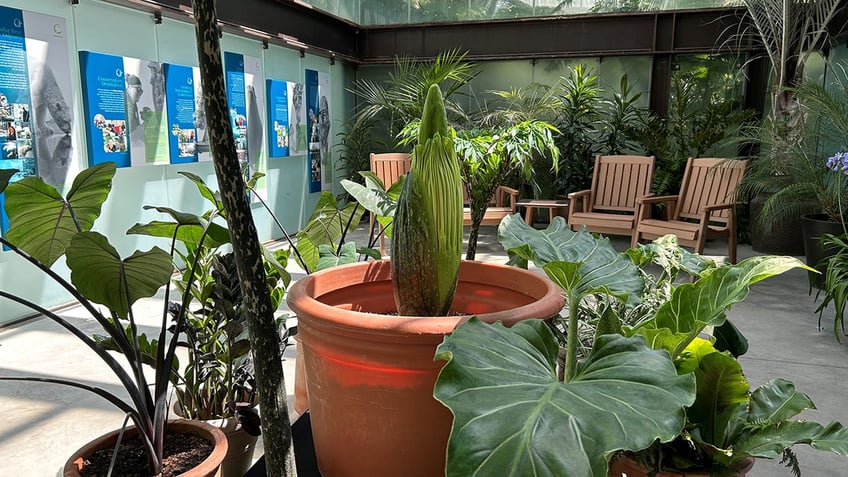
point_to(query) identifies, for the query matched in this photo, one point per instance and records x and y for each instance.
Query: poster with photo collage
(36, 119)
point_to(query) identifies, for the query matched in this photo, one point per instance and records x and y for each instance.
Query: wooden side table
(555, 207)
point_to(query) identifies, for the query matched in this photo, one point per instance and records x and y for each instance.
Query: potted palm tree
(369, 330)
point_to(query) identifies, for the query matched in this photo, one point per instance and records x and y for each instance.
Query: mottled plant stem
(264, 337)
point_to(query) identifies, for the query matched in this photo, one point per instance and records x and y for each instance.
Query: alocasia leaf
(191, 228)
(599, 266)
(693, 306)
(103, 277)
(42, 222)
(512, 417)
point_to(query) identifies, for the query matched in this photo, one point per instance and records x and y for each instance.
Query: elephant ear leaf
(517, 419)
(103, 277)
(42, 222)
(578, 262)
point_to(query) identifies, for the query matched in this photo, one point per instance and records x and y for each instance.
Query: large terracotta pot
(207, 468)
(624, 466)
(370, 375)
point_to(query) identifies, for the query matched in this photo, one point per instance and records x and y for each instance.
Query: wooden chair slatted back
(706, 182)
(618, 180)
(390, 166)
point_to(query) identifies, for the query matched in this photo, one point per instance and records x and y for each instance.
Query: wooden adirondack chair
(388, 167)
(702, 211)
(503, 203)
(609, 207)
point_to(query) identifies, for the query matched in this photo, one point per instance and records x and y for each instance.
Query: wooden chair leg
(731, 238)
(731, 248)
(634, 239)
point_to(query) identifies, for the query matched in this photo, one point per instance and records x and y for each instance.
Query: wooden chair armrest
(503, 193)
(578, 202)
(652, 199)
(726, 205)
(578, 194)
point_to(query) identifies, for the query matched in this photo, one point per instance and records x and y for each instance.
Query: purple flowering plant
(838, 163)
(835, 286)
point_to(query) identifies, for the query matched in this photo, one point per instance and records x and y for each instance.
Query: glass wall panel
(550, 71)
(638, 71)
(389, 12)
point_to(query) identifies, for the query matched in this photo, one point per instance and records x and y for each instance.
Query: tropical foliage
(724, 421)
(45, 226)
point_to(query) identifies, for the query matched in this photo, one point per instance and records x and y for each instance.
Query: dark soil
(182, 453)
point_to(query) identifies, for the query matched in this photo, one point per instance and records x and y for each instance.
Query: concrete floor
(43, 424)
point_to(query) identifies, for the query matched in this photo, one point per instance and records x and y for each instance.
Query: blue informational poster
(104, 108)
(278, 118)
(314, 152)
(182, 138)
(16, 134)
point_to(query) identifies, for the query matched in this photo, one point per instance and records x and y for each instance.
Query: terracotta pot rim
(301, 299)
(208, 466)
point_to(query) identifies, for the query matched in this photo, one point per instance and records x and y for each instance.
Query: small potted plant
(217, 382)
(369, 330)
(45, 226)
(635, 377)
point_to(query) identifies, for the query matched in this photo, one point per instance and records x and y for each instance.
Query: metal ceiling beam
(643, 33)
(283, 21)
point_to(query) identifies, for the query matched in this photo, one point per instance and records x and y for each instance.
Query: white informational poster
(146, 116)
(297, 118)
(53, 122)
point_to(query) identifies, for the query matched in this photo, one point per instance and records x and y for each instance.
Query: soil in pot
(182, 437)
(183, 452)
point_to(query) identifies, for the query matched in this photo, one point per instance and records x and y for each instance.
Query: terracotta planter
(207, 468)
(370, 376)
(624, 466)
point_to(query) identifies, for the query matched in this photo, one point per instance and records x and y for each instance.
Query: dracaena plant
(44, 226)
(639, 380)
(427, 231)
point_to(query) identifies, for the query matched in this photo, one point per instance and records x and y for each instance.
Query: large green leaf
(721, 388)
(42, 222)
(329, 258)
(326, 226)
(512, 417)
(600, 267)
(693, 306)
(769, 442)
(100, 275)
(766, 429)
(372, 196)
(191, 228)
